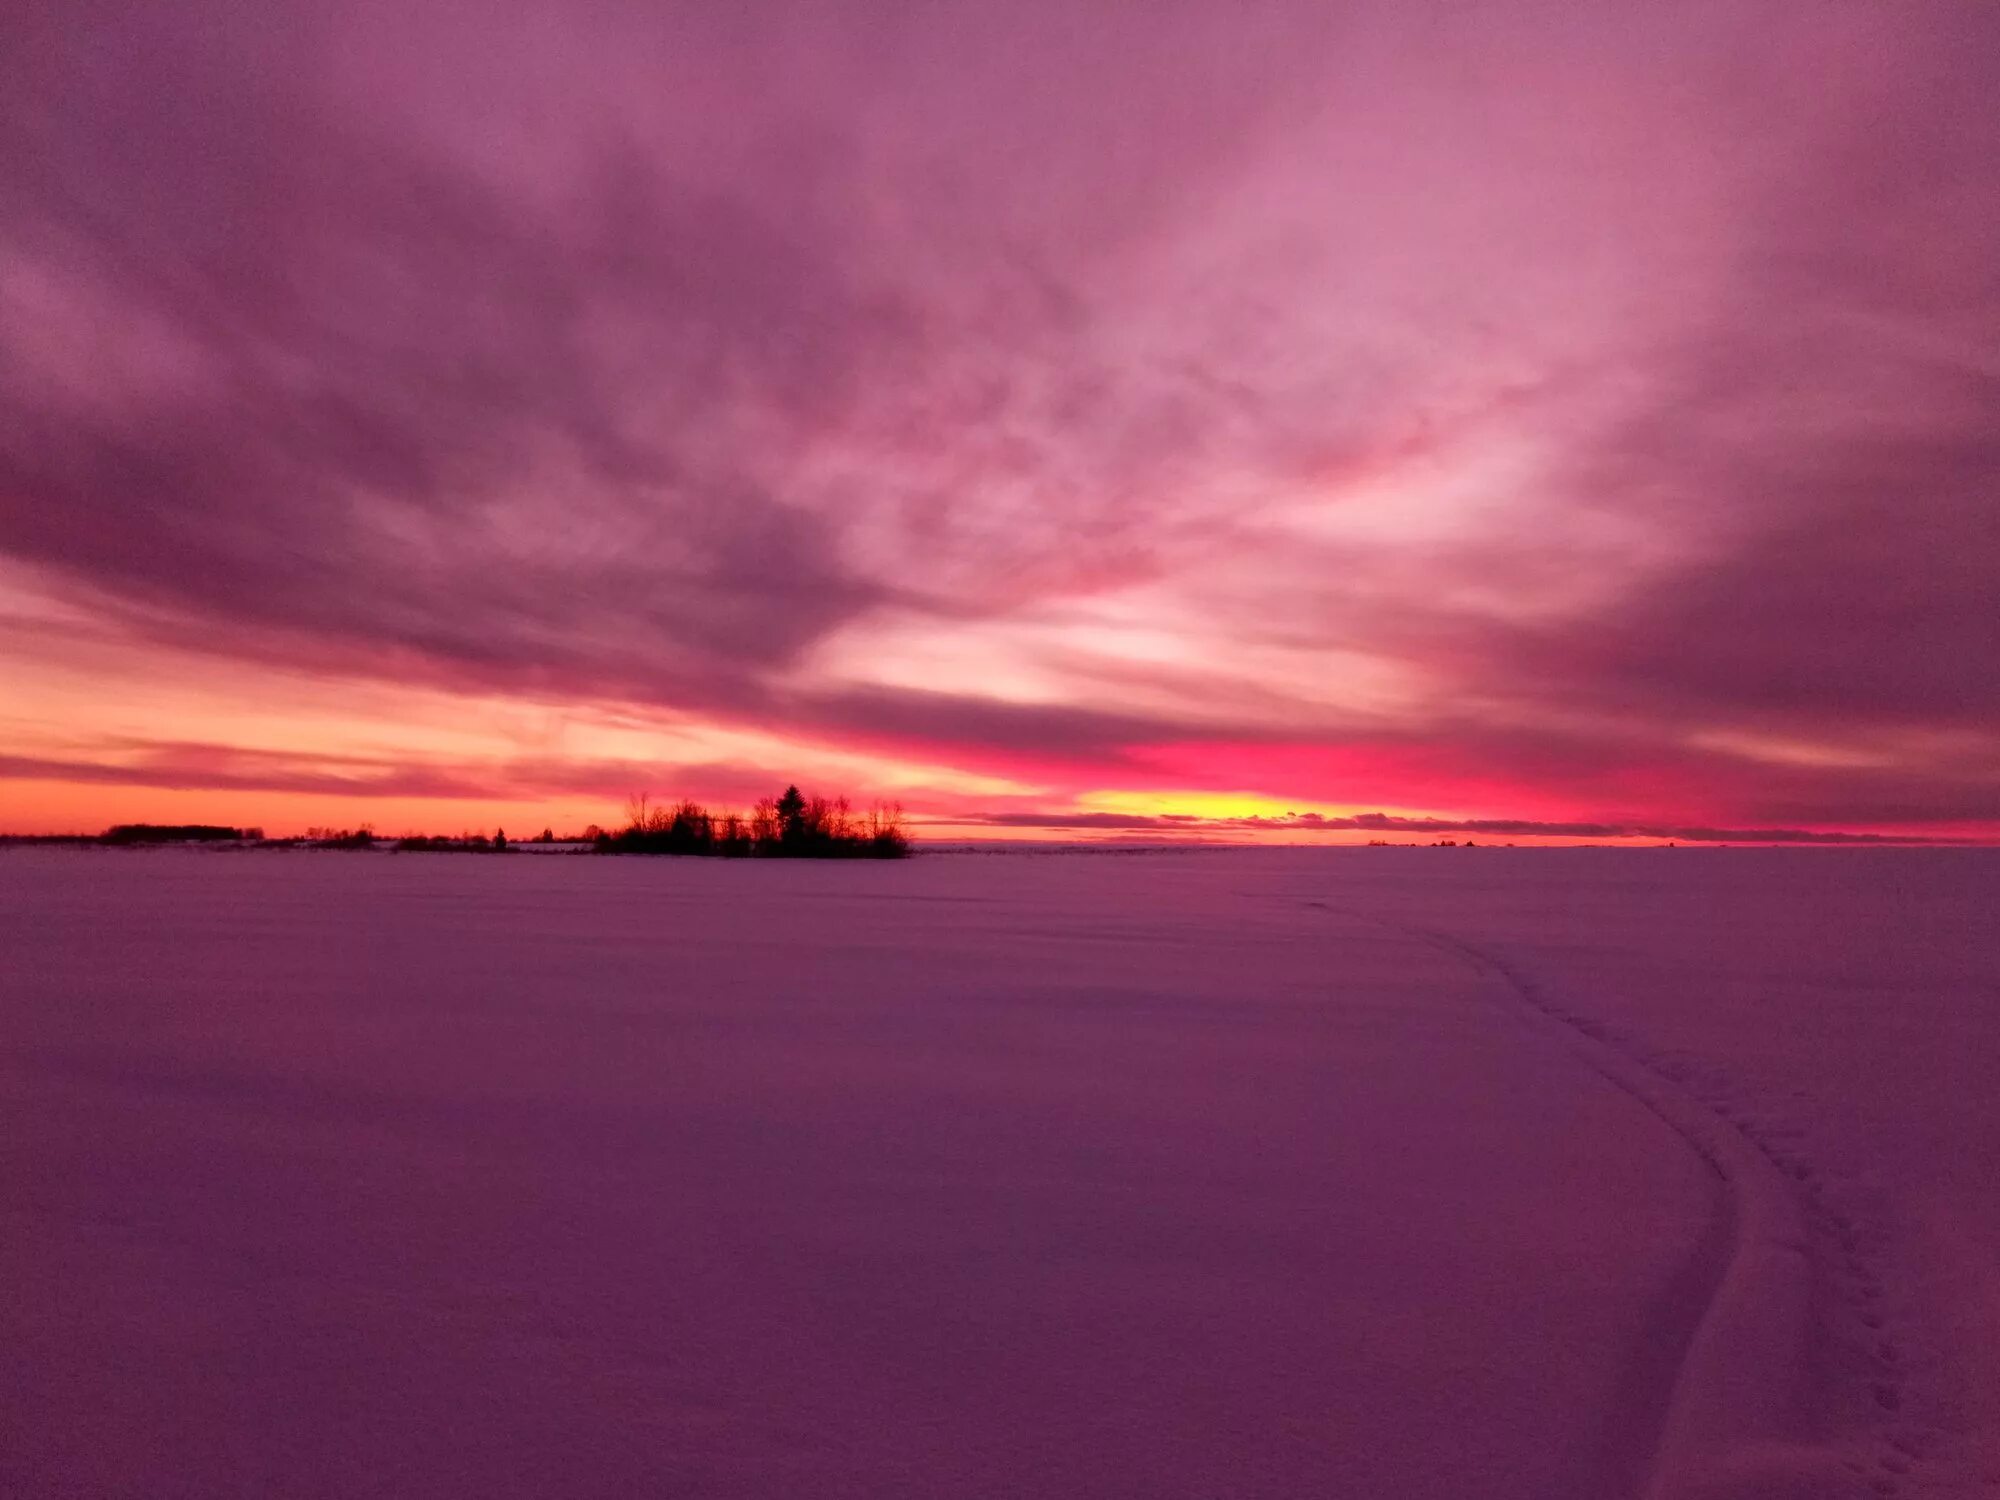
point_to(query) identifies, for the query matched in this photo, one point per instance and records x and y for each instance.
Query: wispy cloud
(1368, 405)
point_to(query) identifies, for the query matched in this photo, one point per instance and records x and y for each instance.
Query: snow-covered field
(1378, 1173)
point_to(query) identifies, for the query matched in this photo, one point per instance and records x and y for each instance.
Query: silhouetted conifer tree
(791, 815)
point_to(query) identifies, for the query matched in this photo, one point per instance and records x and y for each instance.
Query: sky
(1274, 419)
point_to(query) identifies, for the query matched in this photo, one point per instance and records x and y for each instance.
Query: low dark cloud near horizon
(361, 780)
(1623, 384)
(1174, 825)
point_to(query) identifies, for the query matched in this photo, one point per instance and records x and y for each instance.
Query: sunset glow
(1184, 421)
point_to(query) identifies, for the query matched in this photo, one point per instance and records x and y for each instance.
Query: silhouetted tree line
(465, 843)
(791, 826)
(342, 838)
(175, 833)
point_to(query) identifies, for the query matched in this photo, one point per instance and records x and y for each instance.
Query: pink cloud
(1616, 384)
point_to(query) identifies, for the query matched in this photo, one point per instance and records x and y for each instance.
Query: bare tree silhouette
(791, 825)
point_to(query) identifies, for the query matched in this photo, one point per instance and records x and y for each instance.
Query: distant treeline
(176, 833)
(791, 826)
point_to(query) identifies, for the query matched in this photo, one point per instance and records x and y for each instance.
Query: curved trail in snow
(1747, 1416)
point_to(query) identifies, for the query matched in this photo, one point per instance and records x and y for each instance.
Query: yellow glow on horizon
(1200, 804)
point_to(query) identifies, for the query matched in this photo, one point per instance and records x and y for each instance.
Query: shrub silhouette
(789, 826)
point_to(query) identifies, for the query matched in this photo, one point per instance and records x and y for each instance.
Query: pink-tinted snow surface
(1371, 1173)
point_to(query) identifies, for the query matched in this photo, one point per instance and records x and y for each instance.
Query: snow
(1358, 1172)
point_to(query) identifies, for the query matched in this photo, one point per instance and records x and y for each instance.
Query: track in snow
(1792, 1382)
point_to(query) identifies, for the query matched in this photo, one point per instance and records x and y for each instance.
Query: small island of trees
(791, 826)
